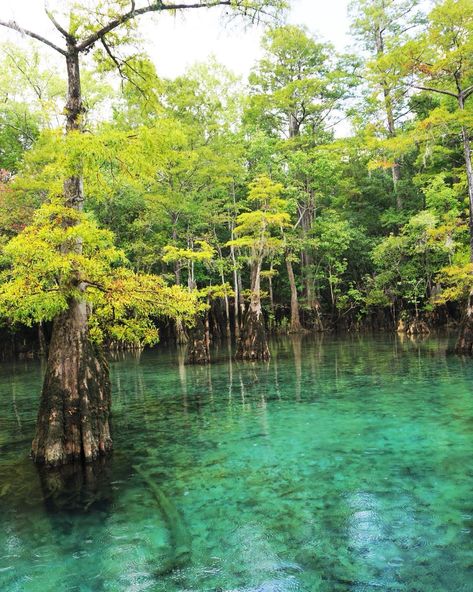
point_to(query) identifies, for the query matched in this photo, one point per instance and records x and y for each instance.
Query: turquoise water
(341, 465)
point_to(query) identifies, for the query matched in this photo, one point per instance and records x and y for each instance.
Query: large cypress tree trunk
(252, 343)
(73, 418)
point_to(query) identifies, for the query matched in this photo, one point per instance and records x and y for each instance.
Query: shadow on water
(77, 488)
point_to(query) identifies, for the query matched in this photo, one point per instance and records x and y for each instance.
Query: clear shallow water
(342, 465)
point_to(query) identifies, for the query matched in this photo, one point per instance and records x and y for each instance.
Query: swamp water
(341, 465)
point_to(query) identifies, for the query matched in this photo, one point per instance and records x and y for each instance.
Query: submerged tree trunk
(464, 343)
(74, 414)
(181, 335)
(252, 343)
(198, 351)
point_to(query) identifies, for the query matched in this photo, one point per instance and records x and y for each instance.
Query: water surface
(341, 465)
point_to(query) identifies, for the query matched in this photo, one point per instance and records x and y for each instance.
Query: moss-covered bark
(252, 343)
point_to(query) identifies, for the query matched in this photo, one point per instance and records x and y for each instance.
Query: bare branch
(436, 90)
(119, 64)
(113, 58)
(61, 29)
(16, 27)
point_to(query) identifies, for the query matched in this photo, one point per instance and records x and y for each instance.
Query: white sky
(175, 43)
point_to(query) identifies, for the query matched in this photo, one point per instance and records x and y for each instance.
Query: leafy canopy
(45, 270)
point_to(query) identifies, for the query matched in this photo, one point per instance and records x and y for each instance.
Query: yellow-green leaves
(64, 255)
(260, 230)
(45, 267)
(125, 308)
(205, 252)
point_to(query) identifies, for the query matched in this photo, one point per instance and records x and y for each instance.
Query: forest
(327, 192)
(236, 309)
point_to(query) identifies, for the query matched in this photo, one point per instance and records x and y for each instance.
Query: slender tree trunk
(181, 334)
(241, 300)
(388, 105)
(236, 289)
(295, 326)
(226, 301)
(465, 341)
(43, 345)
(73, 418)
(271, 300)
(236, 284)
(252, 344)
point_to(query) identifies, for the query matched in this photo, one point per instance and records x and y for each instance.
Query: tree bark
(236, 283)
(464, 344)
(388, 105)
(228, 331)
(252, 343)
(74, 414)
(198, 351)
(295, 326)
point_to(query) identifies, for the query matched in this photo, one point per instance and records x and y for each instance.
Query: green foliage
(204, 253)
(407, 264)
(296, 85)
(63, 255)
(260, 230)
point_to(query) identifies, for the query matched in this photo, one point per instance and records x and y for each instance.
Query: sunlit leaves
(64, 255)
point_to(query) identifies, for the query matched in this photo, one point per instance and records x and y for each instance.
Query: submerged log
(178, 534)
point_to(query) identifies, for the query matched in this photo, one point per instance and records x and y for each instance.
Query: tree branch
(16, 27)
(61, 29)
(467, 92)
(436, 90)
(157, 6)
